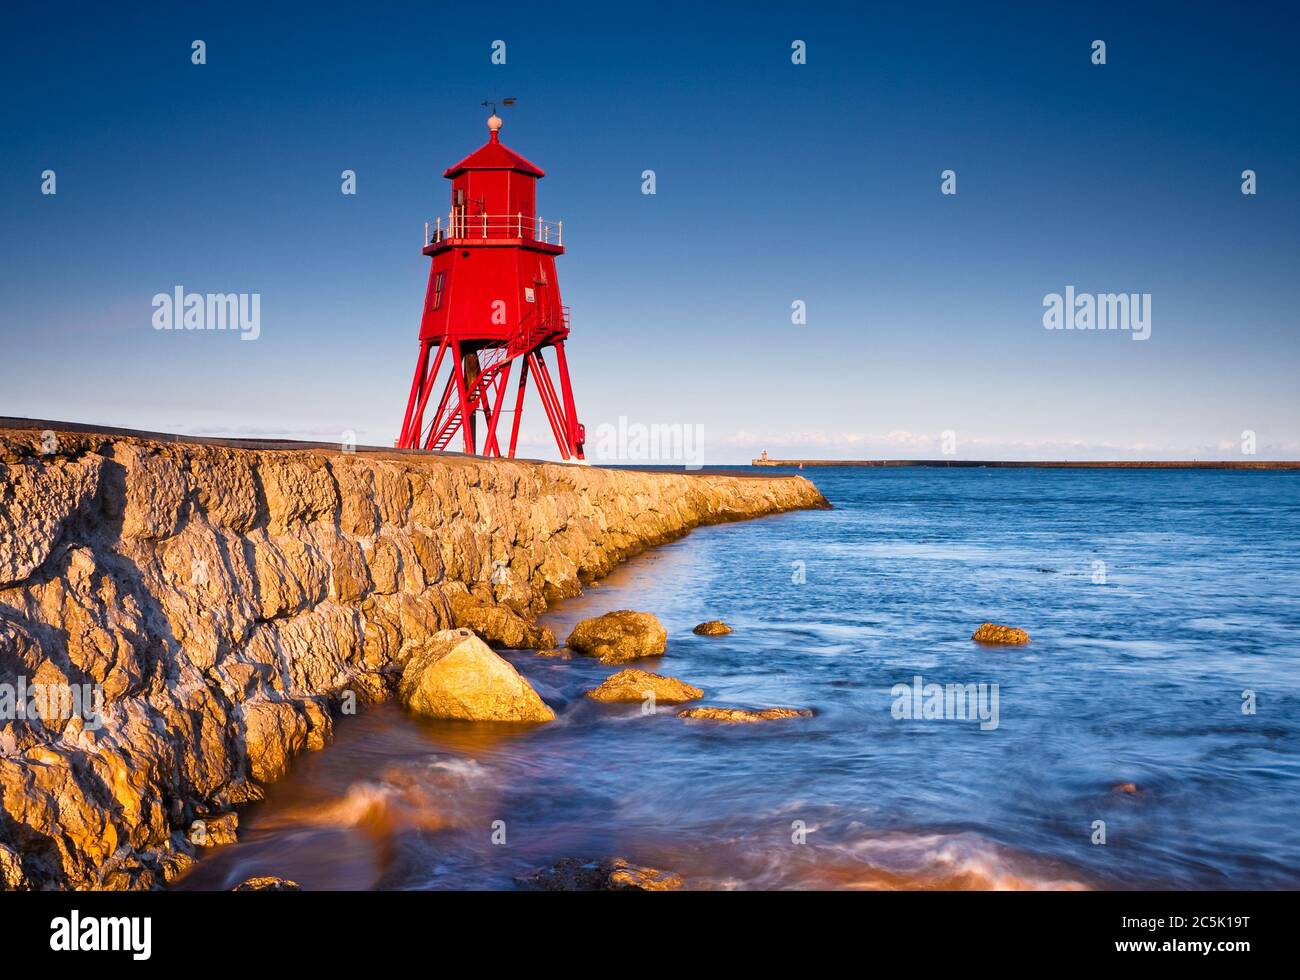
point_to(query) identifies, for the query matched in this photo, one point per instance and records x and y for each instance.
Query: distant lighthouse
(492, 306)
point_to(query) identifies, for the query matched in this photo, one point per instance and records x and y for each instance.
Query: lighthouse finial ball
(494, 122)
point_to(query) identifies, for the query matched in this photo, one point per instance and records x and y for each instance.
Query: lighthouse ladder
(489, 371)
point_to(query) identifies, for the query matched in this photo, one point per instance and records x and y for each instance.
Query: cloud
(905, 444)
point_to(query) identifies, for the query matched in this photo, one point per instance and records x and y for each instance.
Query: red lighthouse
(493, 304)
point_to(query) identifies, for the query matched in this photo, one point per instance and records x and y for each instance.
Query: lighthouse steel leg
(466, 414)
(539, 367)
(490, 446)
(421, 362)
(552, 404)
(519, 406)
(570, 410)
(411, 439)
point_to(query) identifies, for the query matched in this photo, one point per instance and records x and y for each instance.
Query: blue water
(1135, 674)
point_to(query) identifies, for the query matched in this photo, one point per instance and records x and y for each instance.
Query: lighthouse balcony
(520, 228)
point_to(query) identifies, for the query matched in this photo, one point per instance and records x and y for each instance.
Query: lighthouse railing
(537, 323)
(525, 227)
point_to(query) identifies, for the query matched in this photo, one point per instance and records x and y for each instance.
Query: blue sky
(776, 182)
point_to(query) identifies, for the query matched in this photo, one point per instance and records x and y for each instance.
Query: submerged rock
(560, 653)
(743, 716)
(638, 685)
(714, 627)
(610, 875)
(1005, 635)
(267, 883)
(456, 675)
(620, 636)
(499, 625)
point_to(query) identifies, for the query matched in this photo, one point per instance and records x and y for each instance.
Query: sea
(1147, 737)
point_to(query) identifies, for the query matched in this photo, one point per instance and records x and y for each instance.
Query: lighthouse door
(541, 291)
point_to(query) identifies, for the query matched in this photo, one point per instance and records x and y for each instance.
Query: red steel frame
(470, 391)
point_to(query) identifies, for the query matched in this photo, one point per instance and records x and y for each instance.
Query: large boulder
(619, 636)
(714, 627)
(742, 716)
(501, 626)
(610, 875)
(637, 685)
(1002, 635)
(456, 675)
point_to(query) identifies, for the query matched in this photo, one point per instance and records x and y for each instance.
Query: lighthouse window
(437, 289)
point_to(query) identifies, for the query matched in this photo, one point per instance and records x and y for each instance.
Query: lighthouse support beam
(519, 406)
(570, 409)
(415, 423)
(554, 413)
(466, 413)
(490, 445)
(420, 363)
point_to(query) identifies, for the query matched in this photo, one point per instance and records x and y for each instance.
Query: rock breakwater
(227, 605)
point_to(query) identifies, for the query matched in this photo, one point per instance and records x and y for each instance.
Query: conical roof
(494, 155)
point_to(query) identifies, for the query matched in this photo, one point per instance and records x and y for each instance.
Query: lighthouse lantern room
(491, 309)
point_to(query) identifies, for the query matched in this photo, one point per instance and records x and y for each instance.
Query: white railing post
(519, 224)
(485, 226)
(426, 234)
(560, 242)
